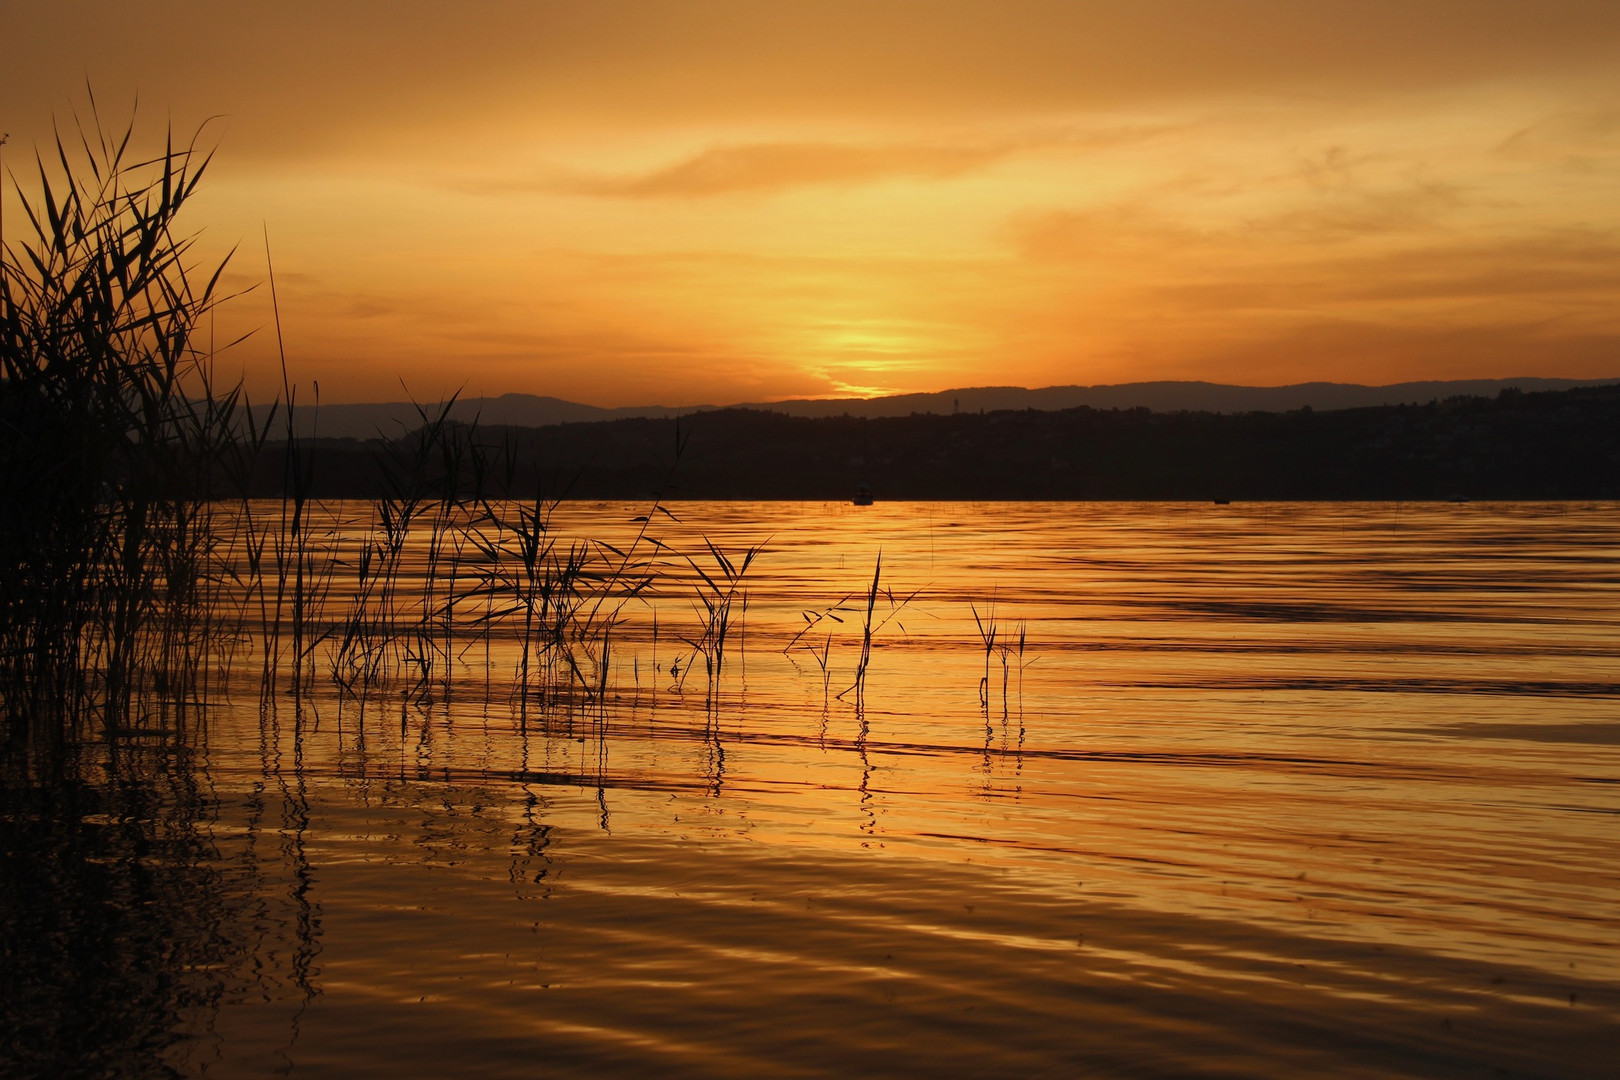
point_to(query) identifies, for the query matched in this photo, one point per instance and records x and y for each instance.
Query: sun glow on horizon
(721, 219)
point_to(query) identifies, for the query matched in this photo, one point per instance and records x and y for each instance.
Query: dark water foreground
(437, 931)
(1282, 791)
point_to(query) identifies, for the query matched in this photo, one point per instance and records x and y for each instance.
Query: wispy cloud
(1578, 138)
(723, 170)
(732, 168)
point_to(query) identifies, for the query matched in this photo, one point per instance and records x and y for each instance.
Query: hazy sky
(637, 203)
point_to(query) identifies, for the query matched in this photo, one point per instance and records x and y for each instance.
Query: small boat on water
(863, 495)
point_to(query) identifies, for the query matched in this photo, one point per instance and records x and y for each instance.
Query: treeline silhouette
(1550, 445)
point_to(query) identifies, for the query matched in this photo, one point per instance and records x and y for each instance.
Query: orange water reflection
(1361, 759)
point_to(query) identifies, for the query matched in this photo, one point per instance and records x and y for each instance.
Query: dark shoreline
(1515, 446)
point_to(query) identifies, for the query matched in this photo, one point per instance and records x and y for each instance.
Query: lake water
(1262, 790)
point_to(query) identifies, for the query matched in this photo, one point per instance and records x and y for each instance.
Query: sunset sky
(674, 203)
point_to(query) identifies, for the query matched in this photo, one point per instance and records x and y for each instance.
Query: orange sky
(674, 203)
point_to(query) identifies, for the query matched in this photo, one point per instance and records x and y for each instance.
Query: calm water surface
(1269, 790)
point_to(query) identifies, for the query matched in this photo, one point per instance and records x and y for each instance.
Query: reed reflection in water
(1267, 790)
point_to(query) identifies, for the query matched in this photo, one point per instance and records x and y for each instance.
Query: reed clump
(115, 439)
(719, 595)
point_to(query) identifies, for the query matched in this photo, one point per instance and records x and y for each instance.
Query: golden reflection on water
(1263, 779)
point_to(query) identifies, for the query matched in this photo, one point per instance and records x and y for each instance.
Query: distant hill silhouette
(390, 419)
(1512, 445)
(1173, 397)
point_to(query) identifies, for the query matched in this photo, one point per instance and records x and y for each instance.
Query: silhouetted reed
(871, 623)
(1006, 649)
(392, 635)
(717, 595)
(111, 428)
(859, 686)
